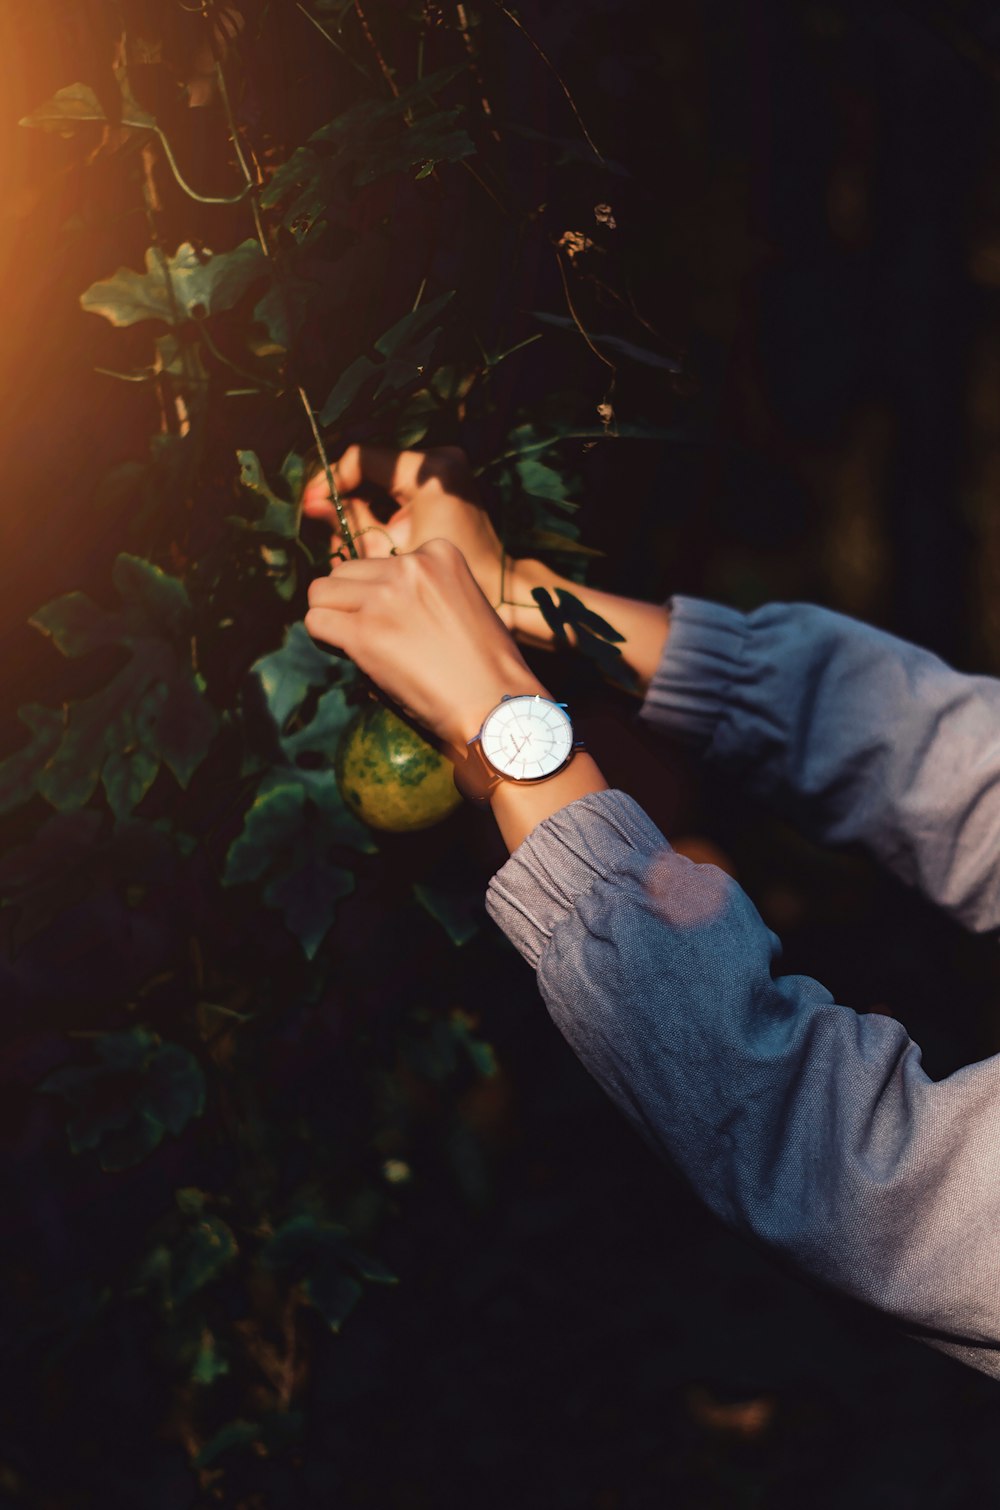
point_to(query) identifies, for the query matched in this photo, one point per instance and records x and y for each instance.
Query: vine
(260, 1085)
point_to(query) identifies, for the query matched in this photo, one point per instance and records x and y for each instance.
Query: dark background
(813, 219)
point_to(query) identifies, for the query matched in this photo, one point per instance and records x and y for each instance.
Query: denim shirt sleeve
(853, 734)
(806, 1126)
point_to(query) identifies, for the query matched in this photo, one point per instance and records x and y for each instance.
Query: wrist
(520, 809)
(525, 619)
(506, 676)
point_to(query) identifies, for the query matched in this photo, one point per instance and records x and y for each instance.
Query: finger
(331, 627)
(345, 593)
(399, 473)
(394, 471)
(371, 537)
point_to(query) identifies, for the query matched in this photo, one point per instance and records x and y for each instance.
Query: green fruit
(389, 776)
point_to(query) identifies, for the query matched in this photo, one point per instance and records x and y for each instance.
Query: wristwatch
(526, 738)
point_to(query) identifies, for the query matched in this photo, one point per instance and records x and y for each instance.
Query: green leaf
(175, 289)
(208, 1364)
(152, 711)
(280, 517)
(564, 544)
(456, 911)
(399, 337)
(293, 473)
(274, 818)
(378, 137)
(614, 343)
(73, 854)
(320, 735)
(200, 1256)
(233, 1434)
(334, 1294)
(283, 311)
(541, 480)
(307, 896)
(19, 773)
(141, 1089)
(405, 349)
(288, 832)
(321, 1255)
(288, 675)
(78, 104)
(480, 1052)
(346, 389)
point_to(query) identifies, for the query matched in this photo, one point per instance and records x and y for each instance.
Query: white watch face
(527, 737)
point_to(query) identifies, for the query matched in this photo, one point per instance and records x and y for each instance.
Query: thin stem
(383, 65)
(334, 43)
(578, 322)
(240, 371)
(253, 190)
(251, 182)
(555, 74)
(335, 498)
(461, 15)
(540, 445)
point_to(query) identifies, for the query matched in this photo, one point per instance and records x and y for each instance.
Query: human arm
(804, 1126)
(419, 625)
(855, 735)
(801, 1124)
(435, 494)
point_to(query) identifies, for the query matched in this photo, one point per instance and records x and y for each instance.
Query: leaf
(481, 1053)
(307, 896)
(280, 517)
(411, 326)
(77, 104)
(323, 1258)
(141, 1089)
(275, 814)
(288, 832)
(72, 855)
(378, 137)
(200, 1256)
(568, 545)
(541, 480)
(614, 343)
(233, 1434)
(19, 772)
(175, 289)
(312, 179)
(208, 1364)
(283, 311)
(152, 711)
(346, 389)
(456, 911)
(405, 349)
(288, 675)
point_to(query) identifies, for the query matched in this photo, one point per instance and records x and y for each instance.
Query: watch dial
(527, 737)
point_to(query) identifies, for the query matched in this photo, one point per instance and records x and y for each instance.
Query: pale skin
(428, 625)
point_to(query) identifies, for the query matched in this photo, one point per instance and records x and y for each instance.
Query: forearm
(852, 733)
(812, 1129)
(645, 626)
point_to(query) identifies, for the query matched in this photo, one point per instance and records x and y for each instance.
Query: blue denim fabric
(802, 1124)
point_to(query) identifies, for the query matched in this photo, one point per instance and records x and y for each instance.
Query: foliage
(259, 1086)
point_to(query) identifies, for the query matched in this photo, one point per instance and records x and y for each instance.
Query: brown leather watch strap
(475, 777)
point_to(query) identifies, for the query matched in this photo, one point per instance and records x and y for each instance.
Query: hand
(435, 491)
(419, 625)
